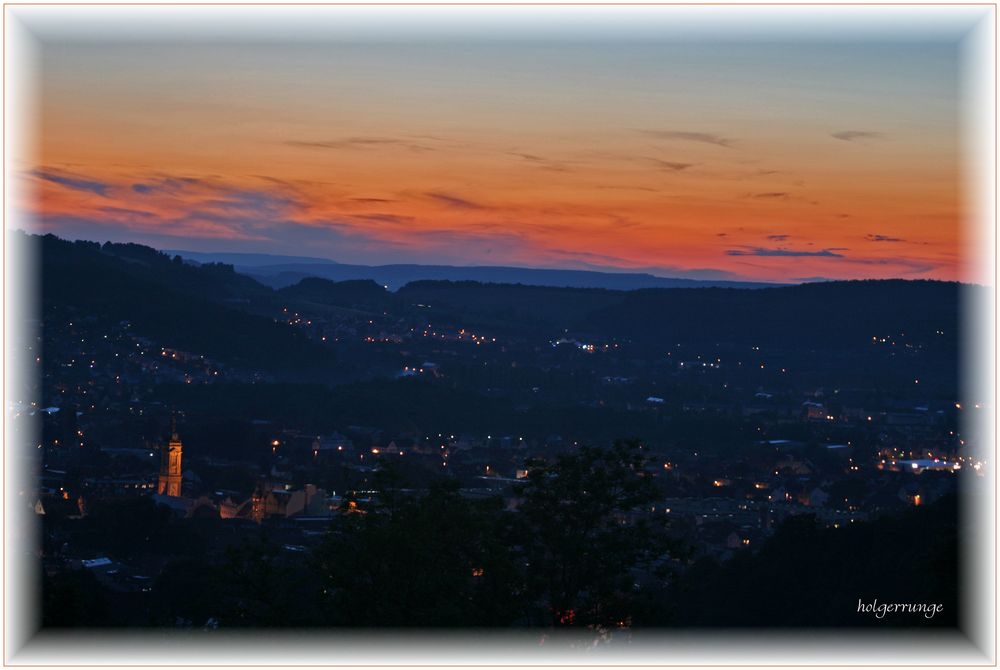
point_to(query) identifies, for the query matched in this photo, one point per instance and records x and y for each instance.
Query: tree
(568, 556)
(433, 560)
(810, 575)
(263, 584)
(74, 598)
(584, 533)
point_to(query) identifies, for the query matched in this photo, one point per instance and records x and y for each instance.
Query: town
(149, 452)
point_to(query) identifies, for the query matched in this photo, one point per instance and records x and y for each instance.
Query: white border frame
(27, 27)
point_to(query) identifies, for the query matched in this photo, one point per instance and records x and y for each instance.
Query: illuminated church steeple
(170, 464)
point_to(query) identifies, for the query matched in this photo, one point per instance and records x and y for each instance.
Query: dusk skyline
(764, 161)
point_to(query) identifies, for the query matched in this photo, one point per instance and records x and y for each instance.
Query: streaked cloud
(164, 184)
(124, 211)
(672, 166)
(251, 201)
(782, 252)
(379, 217)
(857, 135)
(883, 238)
(688, 136)
(769, 195)
(909, 266)
(541, 162)
(455, 201)
(73, 181)
(901, 267)
(359, 143)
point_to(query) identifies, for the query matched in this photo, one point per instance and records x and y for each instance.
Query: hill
(281, 271)
(209, 309)
(809, 316)
(214, 310)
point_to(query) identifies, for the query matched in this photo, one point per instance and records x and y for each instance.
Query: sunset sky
(769, 160)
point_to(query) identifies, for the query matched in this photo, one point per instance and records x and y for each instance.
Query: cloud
(606, 187)
(782, 252)
(687, 136)
(187, 207)
(359, 143)
(124, 211)
(169, 185)
(905, 266)
(75, 182)
(143, 229)
(245, 213)
(379, 217)
(456, 202)
(857, 135)
(913, 265)
(541, 162)
(883, 238)
(249, 202)
(772, 195)
(669, 165)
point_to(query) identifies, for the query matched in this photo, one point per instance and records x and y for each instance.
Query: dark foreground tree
(569, 556)
(587, 534)
(75, 599)
(812, 575)
(435, 560)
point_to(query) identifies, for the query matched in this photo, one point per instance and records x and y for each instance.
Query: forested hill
(212, 309)
(821, 315)
(208, 309)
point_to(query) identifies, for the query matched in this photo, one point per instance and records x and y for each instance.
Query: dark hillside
(190, 308)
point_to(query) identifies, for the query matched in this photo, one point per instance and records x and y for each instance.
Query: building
(118, 487)
(269, 501)
(170, 465)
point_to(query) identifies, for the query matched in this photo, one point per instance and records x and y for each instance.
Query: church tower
(170, 465)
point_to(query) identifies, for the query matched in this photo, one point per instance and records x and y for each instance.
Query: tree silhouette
(584, 533)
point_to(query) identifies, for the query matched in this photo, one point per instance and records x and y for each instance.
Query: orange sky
(777, 162)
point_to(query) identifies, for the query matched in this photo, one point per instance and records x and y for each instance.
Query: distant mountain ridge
(282, 271)
(248, 260)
